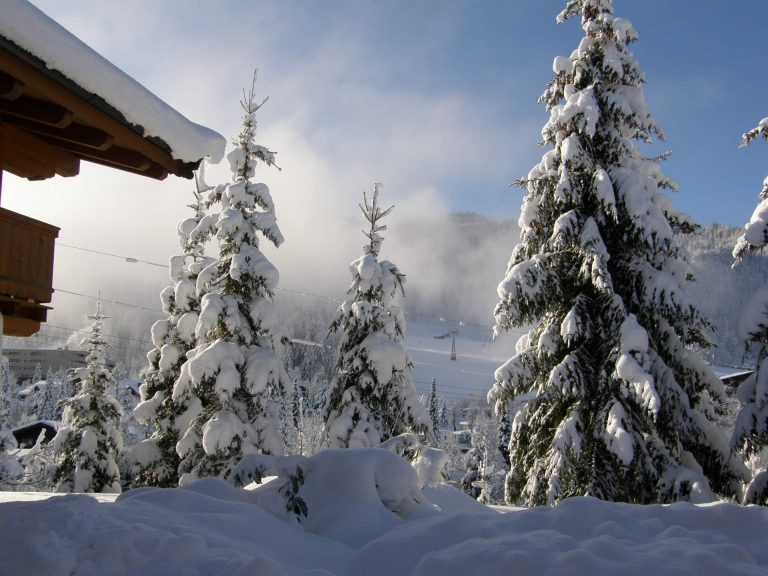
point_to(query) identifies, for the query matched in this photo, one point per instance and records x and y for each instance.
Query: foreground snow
(368, 514)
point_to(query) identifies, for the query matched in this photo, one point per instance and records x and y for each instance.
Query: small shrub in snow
(757, 490)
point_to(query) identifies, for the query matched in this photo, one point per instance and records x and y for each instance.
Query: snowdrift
(369, 512)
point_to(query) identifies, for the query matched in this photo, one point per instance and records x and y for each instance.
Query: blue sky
(436, 99)
(368, 86)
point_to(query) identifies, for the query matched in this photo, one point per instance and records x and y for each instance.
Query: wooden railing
(26, 272)
(26, 257)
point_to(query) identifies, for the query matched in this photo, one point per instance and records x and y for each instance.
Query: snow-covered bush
(372, 395)
(349, 495)
(88, 442)
(231, 377)
(757, 490)
(11, 470)
(621, 408)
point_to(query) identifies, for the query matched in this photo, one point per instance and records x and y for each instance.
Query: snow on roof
(49, 423)
(730, 371)
(33, 31)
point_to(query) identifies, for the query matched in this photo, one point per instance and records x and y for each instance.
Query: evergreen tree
(372, 396)
(504, 435)
(434, 409)
(88, 442)
(156, 460)
(37, 375)
(622, 409)
(471, 481)
(234, 372)
(751, 431)
(6, 393)
(46, 403)
(297, 403)
(443, 413)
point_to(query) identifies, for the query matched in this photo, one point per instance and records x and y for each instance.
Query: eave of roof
(59, 57)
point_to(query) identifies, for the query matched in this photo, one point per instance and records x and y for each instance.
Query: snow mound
(368, 514)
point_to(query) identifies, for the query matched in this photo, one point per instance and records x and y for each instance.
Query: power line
(126, 258)
(74, 330)
(111, 301)
(291, 291)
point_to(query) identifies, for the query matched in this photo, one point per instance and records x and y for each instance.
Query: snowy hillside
(719, 290)
(367, 514)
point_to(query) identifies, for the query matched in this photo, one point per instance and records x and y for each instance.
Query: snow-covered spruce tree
(372, 396)
(503, 436)
(155, 459)
(88, 443)
(434, 409)
(234, 371)
(750, 434)
(622, 410)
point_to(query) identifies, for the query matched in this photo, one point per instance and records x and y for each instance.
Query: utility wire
(126, 258)
(103, 299)
(298, 292)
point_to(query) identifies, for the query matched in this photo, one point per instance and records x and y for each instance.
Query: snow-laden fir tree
(156, 460)
(503, 436)
(7, 396)
(372, 396)
(622, 409)
(434, 409)
(751, 431)
(234, 372)
(47, 398)
(88, 442)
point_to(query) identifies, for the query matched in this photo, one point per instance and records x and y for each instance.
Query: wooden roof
(48, 124)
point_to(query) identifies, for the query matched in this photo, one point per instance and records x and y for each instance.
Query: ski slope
(477, 356)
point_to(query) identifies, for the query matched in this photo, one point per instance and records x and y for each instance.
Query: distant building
(23, 362)
(27, 435)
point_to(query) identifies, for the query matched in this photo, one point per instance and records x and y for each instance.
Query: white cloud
(345, 110)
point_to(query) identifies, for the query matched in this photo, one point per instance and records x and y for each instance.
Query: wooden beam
(75, 133)
(86, 112)
(154, 170)
(114, 155)
(30, 157)
(38, 111)
(10, 87)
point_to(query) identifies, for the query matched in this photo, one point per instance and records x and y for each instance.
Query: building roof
(58, 94)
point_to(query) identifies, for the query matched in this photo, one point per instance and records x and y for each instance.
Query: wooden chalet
(48, 125)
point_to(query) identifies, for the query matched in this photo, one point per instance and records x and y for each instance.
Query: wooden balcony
(26, 272)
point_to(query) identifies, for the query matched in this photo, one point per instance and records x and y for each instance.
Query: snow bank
(32, 30)
(367, 515)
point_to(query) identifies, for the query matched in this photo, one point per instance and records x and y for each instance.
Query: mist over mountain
(452, 263)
